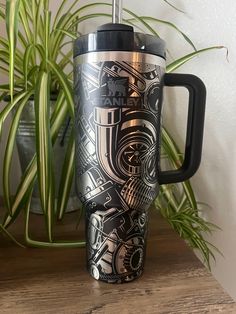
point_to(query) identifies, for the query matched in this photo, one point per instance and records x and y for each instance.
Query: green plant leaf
(3, 95)
(32, 75)
(5, 44)
(178, 63)
(78, 20)
(38, 26)
(47, 36)
(66, 59)
(190, 226)
(8, 108)
(173, 6)
(67, 21)
(4, 69)
(27, 55)
(9, 150)
(44, 147)
(23, 192)
(28, 178)
(152, 19)
(68, 33)
(12, 9)
(140, 19)
(3, 230)
(4, 57)
(29, 52)
(55, 244)
(65, 85)
(70, 42)
(6, 88)
(60, 10)
(25, 21)
(66, 178)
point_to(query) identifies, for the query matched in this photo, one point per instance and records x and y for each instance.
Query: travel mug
(119, 77)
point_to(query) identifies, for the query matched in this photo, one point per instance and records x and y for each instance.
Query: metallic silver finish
(117, 8)
(118, 108)
(25, 140)
(107, 124)
(122, 56)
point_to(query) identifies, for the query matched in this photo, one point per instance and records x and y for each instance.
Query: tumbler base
(116, 244)
(108, 278)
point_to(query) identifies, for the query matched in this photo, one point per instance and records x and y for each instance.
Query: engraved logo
(118, 87)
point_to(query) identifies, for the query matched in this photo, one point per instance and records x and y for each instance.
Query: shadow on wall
(175, 109)
(218, 178)
(175, 112)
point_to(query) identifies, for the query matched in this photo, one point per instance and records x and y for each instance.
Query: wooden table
(56, 280)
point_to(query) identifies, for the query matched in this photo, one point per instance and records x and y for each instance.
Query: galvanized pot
(25, 141)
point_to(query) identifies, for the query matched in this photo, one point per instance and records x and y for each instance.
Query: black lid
(119, 37)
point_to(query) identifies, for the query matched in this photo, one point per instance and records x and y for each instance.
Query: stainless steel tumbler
(119, 78)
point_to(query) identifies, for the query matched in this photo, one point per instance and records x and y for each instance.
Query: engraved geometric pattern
(118, 107)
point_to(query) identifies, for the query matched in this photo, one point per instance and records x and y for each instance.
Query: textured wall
(207, 23)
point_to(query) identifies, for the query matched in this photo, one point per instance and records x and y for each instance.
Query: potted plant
(37, 59)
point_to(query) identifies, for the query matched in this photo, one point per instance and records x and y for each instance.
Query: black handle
(195, 126)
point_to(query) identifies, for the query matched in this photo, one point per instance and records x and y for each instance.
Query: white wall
(214, 23)
(208, 23)
(211, 23)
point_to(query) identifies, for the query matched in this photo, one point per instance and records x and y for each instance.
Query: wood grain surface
(56, 280)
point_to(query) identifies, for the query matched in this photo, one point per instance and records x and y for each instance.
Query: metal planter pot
(25, 141)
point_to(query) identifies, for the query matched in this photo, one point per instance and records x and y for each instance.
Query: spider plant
(38, 62)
